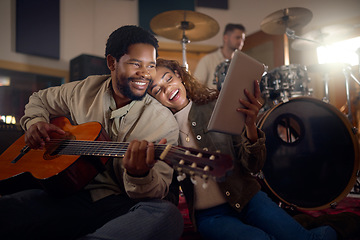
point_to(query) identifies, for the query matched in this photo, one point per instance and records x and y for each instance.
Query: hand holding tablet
(242, 73)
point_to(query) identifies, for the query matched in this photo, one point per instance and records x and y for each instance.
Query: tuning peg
(206, 176)
(193, 180)
(181, 177)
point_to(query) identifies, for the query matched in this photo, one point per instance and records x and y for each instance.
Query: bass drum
(312, 153)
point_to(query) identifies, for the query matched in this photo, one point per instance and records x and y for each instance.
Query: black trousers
(33, 214)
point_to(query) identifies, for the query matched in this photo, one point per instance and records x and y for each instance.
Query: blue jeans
(260, 219)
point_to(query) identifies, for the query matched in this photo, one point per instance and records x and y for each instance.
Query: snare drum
(312, 153)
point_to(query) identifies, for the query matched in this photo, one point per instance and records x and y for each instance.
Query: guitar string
(65, 145)
(68, 147)
(102, 146)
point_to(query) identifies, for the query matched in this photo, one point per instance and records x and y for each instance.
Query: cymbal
(277, 22)
(173, 24)
(325, 67)
(322, 36)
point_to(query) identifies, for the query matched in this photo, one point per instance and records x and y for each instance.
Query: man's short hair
(119, 40)
(231, 27)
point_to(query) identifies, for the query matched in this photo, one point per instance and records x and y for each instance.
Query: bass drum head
(312, 153)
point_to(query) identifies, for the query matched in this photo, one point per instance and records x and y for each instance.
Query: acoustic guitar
(67, 164)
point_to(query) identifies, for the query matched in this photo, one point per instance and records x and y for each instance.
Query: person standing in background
(233, 39)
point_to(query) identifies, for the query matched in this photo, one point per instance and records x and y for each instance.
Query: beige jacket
(89, 100)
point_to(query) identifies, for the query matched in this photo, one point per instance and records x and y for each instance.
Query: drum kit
(313, 150)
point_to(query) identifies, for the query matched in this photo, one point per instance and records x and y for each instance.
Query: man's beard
(124, 88)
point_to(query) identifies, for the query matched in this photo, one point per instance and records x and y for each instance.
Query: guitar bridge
(23, 151)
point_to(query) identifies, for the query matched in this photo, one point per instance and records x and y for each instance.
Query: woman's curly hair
(196, 91)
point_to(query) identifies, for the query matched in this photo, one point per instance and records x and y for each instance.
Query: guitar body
(59, 175)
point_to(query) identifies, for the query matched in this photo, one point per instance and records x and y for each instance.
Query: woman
(235, 208)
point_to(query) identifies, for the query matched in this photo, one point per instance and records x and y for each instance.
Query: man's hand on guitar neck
(140, 157)
(38, 134)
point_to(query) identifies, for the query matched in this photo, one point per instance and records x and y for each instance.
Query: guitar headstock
(193, 162)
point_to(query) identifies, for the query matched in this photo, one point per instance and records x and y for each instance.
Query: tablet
(242, 72)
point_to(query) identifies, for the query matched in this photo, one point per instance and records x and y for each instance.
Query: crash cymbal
(322, 36)
(195, 25)
(325, 67)
(277, 22)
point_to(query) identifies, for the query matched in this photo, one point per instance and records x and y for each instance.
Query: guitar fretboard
(99, 148)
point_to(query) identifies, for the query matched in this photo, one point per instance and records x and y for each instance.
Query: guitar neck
(94, 148)
(185, 160)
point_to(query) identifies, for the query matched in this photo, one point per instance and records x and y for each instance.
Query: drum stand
(185, 25)
(348, 74)
(291, 34)
(326, 88)
(184, 41)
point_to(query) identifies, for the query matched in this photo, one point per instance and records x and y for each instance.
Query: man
(124, 201)
(233, 39)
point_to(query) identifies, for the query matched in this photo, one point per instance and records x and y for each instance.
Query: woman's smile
(174, 95)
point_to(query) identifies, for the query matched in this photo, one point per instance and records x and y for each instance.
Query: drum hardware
(358, 53)
(356, 188)
(291, 34)
(326, 88)
(348, 74)
(184, 25)
(333, 205)
(220, 73)
(320, 37)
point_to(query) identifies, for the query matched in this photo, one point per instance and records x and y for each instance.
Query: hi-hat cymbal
(322, 36)
(277, 22)
(195, 25)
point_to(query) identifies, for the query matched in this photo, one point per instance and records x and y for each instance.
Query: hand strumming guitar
(38, 134)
